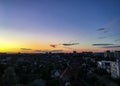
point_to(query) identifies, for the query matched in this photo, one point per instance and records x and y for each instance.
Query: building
(117, 54)
(105, 65)
(107, 54)
(115, 73)
(115, 66)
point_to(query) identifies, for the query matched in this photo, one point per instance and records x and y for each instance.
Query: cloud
(107, 45)
(116, 46)
(53, 45)
(25, 49)
(37, 51)
(104, 30)
(70, 44)
(101, 29)
(64, 44)
(101, 44)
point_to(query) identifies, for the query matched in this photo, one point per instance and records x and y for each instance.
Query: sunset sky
(59, 25)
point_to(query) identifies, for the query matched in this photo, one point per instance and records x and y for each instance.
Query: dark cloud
(104, 30)
(25, 49)
(70, 44)
(101, 44)
(115, 46)
(107, 45)
(53, 45)
(101, 29)
(37, 51)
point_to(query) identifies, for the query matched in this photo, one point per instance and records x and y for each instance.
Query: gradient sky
(32, 25)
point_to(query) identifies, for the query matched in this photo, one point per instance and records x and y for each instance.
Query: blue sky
(60, 21)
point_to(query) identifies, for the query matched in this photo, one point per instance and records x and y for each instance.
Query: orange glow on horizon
(15, 46)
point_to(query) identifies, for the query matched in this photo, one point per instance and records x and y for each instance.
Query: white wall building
(105, 65)
(115, 69)
(115, 66)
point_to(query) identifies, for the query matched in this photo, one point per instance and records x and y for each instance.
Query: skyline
(59, 26)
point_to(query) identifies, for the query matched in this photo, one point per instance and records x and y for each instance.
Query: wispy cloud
(53, 45)
(25, 48)
(101, 29)
(63, 44)
(115, 46)
(101, 44)
(37, 51)
(107, 45)
(70, 44)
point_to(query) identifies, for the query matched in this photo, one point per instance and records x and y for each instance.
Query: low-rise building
(105, 65)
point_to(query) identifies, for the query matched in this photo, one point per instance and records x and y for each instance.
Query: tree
(9, 77)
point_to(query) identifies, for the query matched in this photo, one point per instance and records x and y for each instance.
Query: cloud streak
(107, 45)
(101, 29)
(116, 46)
(25, 49)
(53, 45)
(101, 44)
(70, 44)
(37, 50)
(65, 45)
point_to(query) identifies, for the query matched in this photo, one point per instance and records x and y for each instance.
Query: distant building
(87, 54)
(107, 54)
(117, 54)
(75, 53)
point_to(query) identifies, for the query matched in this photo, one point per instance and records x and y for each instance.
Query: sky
(59, 25)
